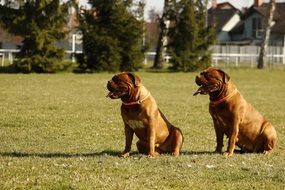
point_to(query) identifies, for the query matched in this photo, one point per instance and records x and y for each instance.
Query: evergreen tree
(190, 38)
(112, 36)
(41, 24)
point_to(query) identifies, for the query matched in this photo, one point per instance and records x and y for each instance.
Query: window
(257, 29)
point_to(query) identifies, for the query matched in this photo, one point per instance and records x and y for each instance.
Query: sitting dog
(142, 117)
(233, 116)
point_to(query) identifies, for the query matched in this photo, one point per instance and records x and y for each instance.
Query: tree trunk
(159, 56)
(160, 48)
(266, 34)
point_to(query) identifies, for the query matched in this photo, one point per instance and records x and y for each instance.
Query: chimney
(214, 4)
(258, 3)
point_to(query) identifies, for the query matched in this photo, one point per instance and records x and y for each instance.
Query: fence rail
(249, 59)
(220, 53)
(9, 54)
(246, 54)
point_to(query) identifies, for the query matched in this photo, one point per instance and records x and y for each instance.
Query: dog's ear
(224, 75)
(136, 80)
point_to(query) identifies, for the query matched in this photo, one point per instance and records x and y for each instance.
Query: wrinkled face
(210, 80)
(122, 84)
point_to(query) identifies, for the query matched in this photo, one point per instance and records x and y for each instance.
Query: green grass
(61, 132)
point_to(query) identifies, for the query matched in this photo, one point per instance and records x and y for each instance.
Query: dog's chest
(221, 121)
(135, 124)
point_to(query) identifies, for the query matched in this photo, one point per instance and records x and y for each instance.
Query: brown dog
(142, 117)
(233, 116)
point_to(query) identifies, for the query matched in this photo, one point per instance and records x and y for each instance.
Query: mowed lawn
(61, 132)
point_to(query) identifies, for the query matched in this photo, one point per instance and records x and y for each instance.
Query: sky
(158, 4)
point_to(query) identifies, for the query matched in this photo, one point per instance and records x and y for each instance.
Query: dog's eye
(116, 78)
(206, 75)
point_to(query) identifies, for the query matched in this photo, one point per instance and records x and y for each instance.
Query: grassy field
(61, 132)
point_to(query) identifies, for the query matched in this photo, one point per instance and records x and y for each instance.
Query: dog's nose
(197, 78)
(108, 84)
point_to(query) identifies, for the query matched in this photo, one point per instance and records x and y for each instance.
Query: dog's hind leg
(176, 141)
(267, 140)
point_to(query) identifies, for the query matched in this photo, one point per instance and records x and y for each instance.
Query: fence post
(283, 58)
(3, 58)
(239, 52)
(73, 48)
(10, 57)
(227, 52)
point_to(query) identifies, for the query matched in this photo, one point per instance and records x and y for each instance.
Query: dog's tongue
(109, 94)
(201, 90)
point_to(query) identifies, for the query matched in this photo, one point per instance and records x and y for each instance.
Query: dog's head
(123, 85)
(211, 80)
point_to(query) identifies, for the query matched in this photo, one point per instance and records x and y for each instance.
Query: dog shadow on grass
(20, 154)
(112, 153)
(236, 151)
(191, 153)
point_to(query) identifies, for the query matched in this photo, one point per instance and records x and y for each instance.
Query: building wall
(223, 35)
(248, 26)
(275, 39)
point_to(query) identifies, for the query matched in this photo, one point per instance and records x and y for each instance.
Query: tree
(190, 38)
(41, 23)
(163, 34)
(112, 36)
(266, 34)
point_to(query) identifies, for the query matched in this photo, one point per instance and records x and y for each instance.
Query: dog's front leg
(234, 129)
(219, 136)
(151, 139)
(128, 141)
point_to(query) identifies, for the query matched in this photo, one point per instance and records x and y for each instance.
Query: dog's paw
(266, 152)
(175, 154)
(153, 155)
(228, 154)
(124, 154)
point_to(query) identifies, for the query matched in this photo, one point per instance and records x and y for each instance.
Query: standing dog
(233, 116)
(142, 117)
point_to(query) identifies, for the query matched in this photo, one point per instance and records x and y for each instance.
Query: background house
(223, 17)
(246, 26)
(8, 41)
(251, 26)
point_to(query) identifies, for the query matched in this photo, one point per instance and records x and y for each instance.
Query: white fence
(8, 54)
(229, 54)
(246, 54)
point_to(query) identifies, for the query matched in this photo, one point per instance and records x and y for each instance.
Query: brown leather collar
(225, 98)
(137, 102)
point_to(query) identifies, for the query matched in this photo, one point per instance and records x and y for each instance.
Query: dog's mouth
(204, 86)
(206, 89)
(200, 81)
(201, 90)
(116, 91)
(116, 94)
